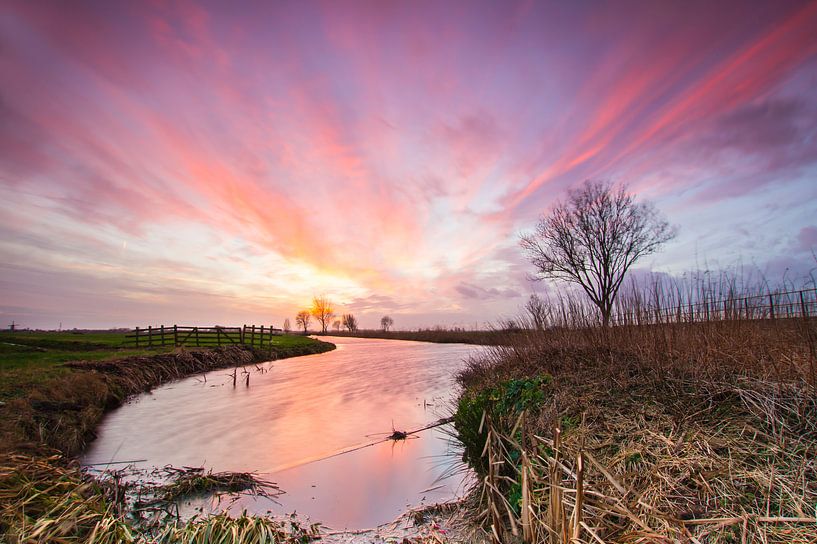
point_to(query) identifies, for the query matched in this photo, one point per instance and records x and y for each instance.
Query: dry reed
(681, 431)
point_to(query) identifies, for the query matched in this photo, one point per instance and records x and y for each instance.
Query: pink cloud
(395, 147)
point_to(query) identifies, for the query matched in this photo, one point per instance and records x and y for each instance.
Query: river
(292, 420)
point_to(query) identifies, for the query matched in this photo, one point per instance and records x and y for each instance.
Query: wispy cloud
(386, 154)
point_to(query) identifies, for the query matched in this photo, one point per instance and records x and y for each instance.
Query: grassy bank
(56, 389)
(703, 432)
(28, 359)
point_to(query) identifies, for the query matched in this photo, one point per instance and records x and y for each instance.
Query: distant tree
(507, 325)
(537, 311)
(593, 238)
(322, 311)
(287, 326)
(302, 319)
(350, 322)
(336, 324)
(386, 322)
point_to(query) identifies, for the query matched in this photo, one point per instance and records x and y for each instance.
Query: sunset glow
(201, 162)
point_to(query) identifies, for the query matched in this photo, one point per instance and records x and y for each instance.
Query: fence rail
(175, 335)
(772, 306)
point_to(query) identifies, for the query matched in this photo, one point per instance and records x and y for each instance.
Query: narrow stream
(298, 412)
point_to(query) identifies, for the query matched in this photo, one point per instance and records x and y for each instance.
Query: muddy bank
(62, 413)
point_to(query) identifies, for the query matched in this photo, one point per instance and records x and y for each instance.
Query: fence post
(150, 336)
(176, 335)
(162, 327)
(197, 335)
(137, 337)
(803, 308)
(261, 340)
(771, 306)
(252, 336)
(243, 332)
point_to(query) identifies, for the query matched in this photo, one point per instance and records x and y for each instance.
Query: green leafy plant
(502, 402)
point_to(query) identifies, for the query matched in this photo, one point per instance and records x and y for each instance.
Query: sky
(207, 163)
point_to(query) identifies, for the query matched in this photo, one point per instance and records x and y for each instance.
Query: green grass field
(30, 358)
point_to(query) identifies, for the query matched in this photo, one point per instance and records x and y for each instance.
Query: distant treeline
(438, 335)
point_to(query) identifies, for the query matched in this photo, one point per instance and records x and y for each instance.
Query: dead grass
(244, 529)
(188, 482)
(45, 499)
(700, 432)
(50, 500)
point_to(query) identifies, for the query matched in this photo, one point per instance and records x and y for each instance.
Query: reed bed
(47, 500)
(243, 529)
(673, 462)
(681, 431)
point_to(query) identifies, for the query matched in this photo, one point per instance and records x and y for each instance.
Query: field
(31, 358)
(28, 359)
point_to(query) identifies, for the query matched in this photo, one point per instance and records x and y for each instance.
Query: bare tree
(287, 326)
(302, 319)
(336, 324)
(386, 322)
(350, 322)
(322, 311)
(593, 238)
(537, 311)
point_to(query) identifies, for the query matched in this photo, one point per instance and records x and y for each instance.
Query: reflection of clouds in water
(301, 411)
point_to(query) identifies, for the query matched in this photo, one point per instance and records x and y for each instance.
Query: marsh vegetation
(696, 424)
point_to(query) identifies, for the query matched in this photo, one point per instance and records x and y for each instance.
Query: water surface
(294, 416)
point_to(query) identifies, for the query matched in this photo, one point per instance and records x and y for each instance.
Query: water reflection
(296, 413)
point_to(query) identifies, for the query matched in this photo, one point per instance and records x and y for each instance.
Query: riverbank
(663, 433)
(51, 410)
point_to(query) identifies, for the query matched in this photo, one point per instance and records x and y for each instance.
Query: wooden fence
(248, 335)
(774, 305)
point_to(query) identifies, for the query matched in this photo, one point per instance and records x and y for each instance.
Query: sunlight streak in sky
(192, 162)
